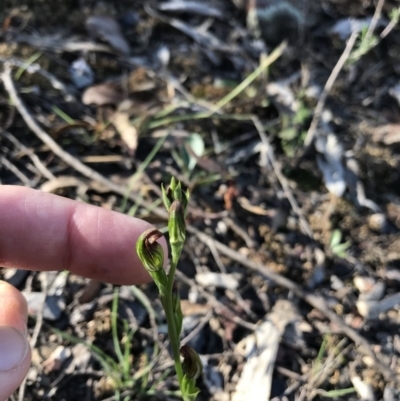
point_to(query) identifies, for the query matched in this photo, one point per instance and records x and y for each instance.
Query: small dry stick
(36, 331)
(35, 159)
(282, 179)
(327, 89)
(375, 19)
(19, 174)
(36, 69)
(389, 28)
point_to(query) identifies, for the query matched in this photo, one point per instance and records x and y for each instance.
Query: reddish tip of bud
(150, 251)
(192, 365)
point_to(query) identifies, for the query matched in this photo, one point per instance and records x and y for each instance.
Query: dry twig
(35, 68)
(389, 28)
(14, 169)
(375, 19)
(36, 332)
(35, 159)
(327, 89)
(282, 179)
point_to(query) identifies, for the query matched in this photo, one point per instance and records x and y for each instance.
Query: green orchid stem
(173, 336)
(176, 250)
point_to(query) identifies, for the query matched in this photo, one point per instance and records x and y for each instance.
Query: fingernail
(13, 348)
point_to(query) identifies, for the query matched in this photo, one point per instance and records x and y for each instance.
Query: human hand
(39, 231)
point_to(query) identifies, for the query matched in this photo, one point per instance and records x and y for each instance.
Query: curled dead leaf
(103, 94)
(388, 134)
(122, 123)
(107, 29)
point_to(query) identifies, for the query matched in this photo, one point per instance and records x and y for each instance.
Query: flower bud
(167, 196)
(192, 366)
(173, 193)
(150, 252)
(176, 189)
(176, 223)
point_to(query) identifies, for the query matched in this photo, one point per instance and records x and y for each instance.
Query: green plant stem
(173, 335)
(176, 250)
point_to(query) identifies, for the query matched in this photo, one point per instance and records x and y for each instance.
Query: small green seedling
(338, 247)
(152, 256)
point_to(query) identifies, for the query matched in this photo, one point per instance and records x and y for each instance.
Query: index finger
(40, 231)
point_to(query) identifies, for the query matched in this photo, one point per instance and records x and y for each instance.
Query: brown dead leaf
(103, 94)
(190, 309)
(107, 29)
(230, 195)
(245, 204)
(89, 292)
(55, 361)
(77, 124)
(140, 81)
(122, 123)
(388, 134)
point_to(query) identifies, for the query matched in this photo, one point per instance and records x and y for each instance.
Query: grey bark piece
(256, 379)
(261, 348)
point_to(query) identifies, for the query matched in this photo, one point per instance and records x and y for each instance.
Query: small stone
(218, 280)
(15, 277)
(221, 228)
(53, 305)
(364, 284)
(82, 313)
(376, 293)
(81, 73)
(377, 222)
(55, 361)
(336, 283)
(317, 277)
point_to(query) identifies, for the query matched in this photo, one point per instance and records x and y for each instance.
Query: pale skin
(40, 231)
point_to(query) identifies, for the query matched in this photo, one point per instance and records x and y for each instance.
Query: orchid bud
(176, 188)
(192, 366)
(176, 224)
(173, 193)
(167, 196)
(151, 254)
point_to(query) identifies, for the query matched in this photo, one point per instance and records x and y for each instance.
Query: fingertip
(61, 234)
(14, 309)
(15, 353)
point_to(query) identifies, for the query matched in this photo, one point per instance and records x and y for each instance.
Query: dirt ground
(291, 153)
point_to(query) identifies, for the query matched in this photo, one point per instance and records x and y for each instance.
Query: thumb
(15, 354)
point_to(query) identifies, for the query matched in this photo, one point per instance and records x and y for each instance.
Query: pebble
(15, 277)
(53, 306)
